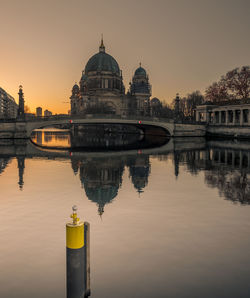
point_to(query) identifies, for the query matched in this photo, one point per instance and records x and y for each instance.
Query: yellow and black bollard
(77, 246)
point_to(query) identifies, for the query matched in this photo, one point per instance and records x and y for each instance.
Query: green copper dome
(75, 87)
(102, 62)
(140, 71)
(103, 193)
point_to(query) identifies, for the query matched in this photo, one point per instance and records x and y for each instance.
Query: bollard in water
(87, 258)
(78, 281)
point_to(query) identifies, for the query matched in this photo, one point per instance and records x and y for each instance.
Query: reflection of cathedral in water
(102, 177)
(139, 171)
(226, 166)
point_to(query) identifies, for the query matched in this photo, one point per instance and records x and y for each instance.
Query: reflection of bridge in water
(28, 149)
(100, 173)
(226, 166)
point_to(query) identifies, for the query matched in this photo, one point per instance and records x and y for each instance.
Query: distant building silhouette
(8, 106)
(39, 112)
(47, 113)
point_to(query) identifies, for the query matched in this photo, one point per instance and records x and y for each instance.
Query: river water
(171, 221)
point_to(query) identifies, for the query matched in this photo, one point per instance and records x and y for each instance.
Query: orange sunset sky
(184, 45)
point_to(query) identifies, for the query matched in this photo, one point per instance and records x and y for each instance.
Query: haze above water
(166, 222)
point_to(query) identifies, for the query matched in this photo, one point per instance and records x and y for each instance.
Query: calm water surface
(166, 222)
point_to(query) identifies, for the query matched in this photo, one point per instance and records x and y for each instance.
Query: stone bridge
(23, 129)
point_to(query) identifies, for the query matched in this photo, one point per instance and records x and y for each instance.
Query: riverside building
(101, 87)
(47, 113)
(8, 106)
(39, 112)
(229, 113)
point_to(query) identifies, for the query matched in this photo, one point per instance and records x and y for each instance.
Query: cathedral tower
(141, 89)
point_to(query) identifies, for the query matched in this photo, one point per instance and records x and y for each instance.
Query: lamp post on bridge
(20, 112)
(177, 108)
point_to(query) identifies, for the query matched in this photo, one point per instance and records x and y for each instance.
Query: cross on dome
(102, 47)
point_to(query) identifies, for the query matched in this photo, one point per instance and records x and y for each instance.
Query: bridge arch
(32, 125)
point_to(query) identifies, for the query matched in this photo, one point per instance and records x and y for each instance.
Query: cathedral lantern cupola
(75, 89)
(102, 47)
(140, 71)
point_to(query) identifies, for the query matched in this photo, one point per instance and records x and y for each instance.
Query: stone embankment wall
(229, 131)
(13, 130)
(189, 130)
(7, 130)
(189, 143)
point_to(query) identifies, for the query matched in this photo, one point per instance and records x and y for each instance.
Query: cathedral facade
(101, 89)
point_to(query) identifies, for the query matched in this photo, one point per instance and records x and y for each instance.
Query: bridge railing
(101, 116)
(7, 120)
(97, 116)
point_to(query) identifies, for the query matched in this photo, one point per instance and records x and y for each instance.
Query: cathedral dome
(75, 87)
(84, 77)
(155, 101)
(102, 62)
(75, 90)
(102, 74)
(140, 71)
(101, 193)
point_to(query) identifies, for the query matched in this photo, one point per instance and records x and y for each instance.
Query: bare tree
(238, 82)
(167, 112)
(26, 109)
(193, 99)
(188, 104)
(161, 109)
(234, 85)
(217, 92)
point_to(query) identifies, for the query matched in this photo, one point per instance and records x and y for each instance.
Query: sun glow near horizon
(178, 45)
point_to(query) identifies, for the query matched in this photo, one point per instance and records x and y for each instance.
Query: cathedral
(101, 89)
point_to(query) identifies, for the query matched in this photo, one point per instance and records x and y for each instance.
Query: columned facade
(230, 115)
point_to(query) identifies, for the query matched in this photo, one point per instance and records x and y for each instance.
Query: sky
(184, 45)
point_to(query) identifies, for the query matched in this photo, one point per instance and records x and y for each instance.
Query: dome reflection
(101, 178)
